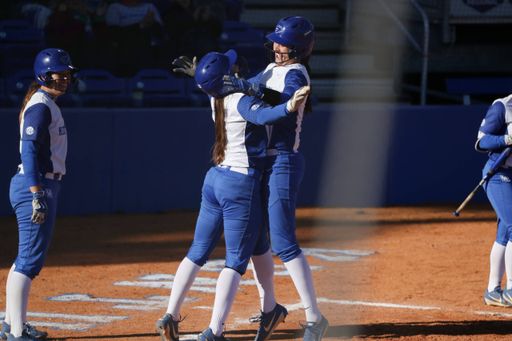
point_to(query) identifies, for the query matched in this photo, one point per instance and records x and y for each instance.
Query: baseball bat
(501, 159)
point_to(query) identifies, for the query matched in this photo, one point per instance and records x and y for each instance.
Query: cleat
(167, 327)
(269, 322)
(6, 330)
(208, 335)
(506, 295)
(315, 331)
(25, 336)
(496, 298)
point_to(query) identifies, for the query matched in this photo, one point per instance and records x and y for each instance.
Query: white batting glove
(185, 65)
(298, 97)
(39, 207)
(508, 140)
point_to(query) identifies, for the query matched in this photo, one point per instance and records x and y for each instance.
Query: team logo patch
(483, 123)
(279, 29)
(64, 59)
(30, 131)
(255, 106)
(49, 193)
(504, 178)
(62, 130)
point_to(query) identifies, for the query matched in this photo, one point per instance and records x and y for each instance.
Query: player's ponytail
(221, 140)
(33, 88)
(308, 106)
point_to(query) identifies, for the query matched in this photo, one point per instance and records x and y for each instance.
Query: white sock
(7, 318)
(263, 270)
(19, 290)
(225, 293)
(497, 259)
(303, 279)
(185, 276)
(508, 264)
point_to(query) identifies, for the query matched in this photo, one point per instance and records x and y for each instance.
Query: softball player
(35, 187)
(493, 137)
(231, 201)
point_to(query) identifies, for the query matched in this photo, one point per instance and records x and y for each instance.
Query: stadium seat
(99, 88)
(197, 97)
(19, 31)
(18, 85)
(157, 88)
(17, 57)
(247, 42)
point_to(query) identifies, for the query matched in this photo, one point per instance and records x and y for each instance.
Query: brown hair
(221, 139)
(33, 88)
(308, 106)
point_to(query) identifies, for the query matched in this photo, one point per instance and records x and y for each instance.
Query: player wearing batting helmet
(35, 187)
(494, 135)
(231, 201)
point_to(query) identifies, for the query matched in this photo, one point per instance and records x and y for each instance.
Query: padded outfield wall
(149, 160)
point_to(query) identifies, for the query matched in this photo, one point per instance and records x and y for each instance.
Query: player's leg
(207, 234)
(284, 186)
(239, 196)
(499, 192)
(34, 242)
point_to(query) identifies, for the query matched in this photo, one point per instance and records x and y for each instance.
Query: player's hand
(234, 84)
(508, 140)
(39, 207)
(298, 98)
(185, 65)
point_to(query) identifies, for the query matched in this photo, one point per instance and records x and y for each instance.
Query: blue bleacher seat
(157, 88)
(19, 31)
(247, 42)
(17, 57)
(18, 85)
(99, 88)
(197, 97)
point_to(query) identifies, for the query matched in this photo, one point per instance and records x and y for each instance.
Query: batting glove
(297, 99)
(39, 207)
(185, 65)
(234, 84)
(508, 140)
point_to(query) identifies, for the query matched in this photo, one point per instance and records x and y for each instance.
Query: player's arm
(492, 135)
(269, 96)
(252, 110)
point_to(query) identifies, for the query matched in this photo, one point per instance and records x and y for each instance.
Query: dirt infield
(408, 273)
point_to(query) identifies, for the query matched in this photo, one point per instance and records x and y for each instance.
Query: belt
(51, 176)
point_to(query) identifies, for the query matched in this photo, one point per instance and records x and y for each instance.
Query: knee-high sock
(19, 290)
(225, 293)
(7, 318)
(185, 276)
(302, 278)
(508, 264)
(263, 270)
(497, 269)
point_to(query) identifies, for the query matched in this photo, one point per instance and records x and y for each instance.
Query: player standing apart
(231, 201)
(493, 137)
(291, 46)
(35, 187)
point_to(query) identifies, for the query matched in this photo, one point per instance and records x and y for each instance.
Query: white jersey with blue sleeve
(42, 122)
(285, 134)
(496, 124)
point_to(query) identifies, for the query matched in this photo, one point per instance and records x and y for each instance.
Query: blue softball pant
(499, 192)
(280, 187)
(34, 239)
(231, 204)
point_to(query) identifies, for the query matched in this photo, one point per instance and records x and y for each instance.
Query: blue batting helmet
(295, 31)
(51, 60)
(211, 71)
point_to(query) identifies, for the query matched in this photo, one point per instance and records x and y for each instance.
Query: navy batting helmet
(297, 32)
(211, 71)
(49, 61)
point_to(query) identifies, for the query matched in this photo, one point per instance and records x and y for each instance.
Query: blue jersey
(43, 142)
(496, 124)
(285, 134)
